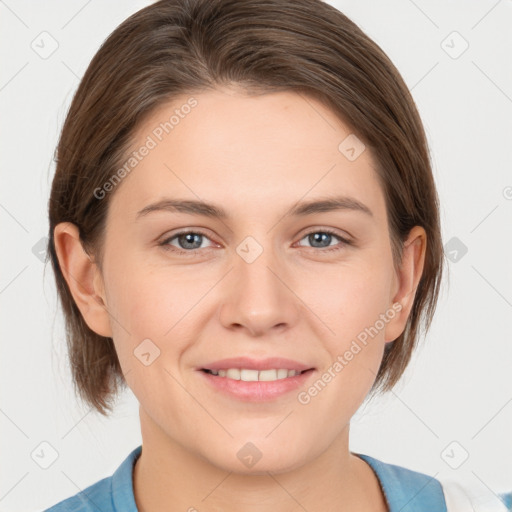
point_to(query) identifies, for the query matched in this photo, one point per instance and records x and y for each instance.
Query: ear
(405, 281)
(83, 278)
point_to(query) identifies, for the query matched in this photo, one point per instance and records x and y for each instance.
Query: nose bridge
(257, 297)
(258, 282)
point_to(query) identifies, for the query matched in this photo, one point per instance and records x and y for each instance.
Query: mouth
(254, 375)
(251, 380)
(256, 380)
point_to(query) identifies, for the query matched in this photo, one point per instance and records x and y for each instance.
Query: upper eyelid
(330, 231)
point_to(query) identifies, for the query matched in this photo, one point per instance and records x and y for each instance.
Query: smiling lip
(255, 364)
(256, 391)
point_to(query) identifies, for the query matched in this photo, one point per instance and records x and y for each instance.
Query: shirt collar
(406, 490)
(123, 498)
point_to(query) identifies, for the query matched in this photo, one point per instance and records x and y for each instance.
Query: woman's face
(264, 281)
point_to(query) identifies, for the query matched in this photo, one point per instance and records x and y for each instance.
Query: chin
(256, 457)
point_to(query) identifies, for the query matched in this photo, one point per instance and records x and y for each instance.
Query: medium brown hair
(176, 47)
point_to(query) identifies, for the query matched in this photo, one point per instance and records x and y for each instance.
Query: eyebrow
(300, 209)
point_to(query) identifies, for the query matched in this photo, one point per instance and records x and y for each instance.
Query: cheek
(352, 309)
(156, 303)
(353, 299)
(352, 306)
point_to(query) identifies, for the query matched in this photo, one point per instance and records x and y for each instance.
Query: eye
(321, 239)
(188, 242)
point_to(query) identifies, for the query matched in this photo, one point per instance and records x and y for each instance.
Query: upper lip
(256, 364)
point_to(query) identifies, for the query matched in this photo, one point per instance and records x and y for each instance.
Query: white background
(459, 385)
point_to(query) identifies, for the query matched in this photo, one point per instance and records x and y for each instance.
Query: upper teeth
(254, 375)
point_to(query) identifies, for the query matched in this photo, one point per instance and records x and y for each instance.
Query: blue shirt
(404, 490)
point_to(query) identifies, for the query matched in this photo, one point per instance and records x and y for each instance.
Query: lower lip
(257, 391)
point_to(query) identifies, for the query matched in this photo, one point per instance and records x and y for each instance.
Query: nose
(258, 296)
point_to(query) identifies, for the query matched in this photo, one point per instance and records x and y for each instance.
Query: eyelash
(195, 252)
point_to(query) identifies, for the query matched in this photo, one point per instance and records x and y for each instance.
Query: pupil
(188, 239)
(317, 237)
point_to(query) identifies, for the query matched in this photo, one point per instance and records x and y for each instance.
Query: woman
(244, 229)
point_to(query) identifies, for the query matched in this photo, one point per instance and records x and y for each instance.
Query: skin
(256, 157)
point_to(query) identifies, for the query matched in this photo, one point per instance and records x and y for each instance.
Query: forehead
(248, 152)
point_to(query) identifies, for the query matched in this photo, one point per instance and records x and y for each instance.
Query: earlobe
(83, 278)
(407, 280)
